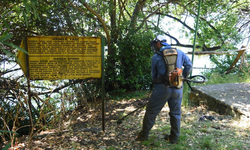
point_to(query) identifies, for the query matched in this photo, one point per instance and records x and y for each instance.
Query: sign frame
(25, 59)
(61, 57)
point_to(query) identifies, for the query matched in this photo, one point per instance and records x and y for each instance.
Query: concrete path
(230, 98)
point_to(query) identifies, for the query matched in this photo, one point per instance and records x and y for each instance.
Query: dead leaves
(85, 134)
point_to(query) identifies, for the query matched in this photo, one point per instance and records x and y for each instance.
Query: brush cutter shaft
(133, 111)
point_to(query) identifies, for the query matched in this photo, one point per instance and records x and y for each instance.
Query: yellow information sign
(64, 57)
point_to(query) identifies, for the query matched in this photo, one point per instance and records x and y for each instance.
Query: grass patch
(216, 135)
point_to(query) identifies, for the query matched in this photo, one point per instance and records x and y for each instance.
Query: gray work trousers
(160, 95)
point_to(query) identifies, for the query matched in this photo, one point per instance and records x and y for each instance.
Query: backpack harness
(173, 75)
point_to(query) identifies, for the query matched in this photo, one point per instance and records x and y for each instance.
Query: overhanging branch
(204, 47)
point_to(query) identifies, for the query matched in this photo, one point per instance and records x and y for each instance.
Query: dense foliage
(132, 63)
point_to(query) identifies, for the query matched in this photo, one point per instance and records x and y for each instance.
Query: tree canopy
(221, 23)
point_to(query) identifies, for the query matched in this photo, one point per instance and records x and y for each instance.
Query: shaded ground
(81, 130)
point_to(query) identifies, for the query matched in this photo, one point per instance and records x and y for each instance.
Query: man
(163, 93)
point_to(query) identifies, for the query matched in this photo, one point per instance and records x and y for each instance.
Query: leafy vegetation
(128, 27)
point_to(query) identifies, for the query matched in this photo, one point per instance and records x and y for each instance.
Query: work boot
(141, 137)
(167, 137)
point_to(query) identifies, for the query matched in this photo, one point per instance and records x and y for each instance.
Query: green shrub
(132, 70)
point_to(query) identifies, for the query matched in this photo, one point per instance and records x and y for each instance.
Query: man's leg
(175, 114)
(157, 101)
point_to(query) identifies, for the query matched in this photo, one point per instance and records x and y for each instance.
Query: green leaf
(15, 46)
(25, 18)
(7, 146)
(5, 36)
(38, 18)
(6, 24)
(33, 2)
(6, 131)
(7, 52)
(27, 7)
(35, 14)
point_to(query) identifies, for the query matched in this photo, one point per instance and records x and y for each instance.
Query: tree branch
(137, 9)
(8, 71)
(204, 48)
(146, 18)
(98, 17)
(58, 88)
